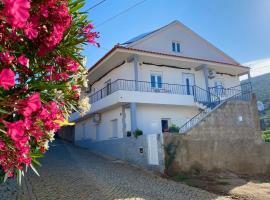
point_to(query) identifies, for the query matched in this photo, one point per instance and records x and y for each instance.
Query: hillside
(261, 86)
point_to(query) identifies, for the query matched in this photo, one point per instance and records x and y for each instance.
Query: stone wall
(229, 139)
(127, 149)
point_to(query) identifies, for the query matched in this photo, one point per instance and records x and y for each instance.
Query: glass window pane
(153, 81)
(178, 47)
(159, 81)
(173, 46)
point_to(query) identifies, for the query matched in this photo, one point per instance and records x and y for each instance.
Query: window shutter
(178, 47)
(159, 81)
(173, 47)
(153, 81)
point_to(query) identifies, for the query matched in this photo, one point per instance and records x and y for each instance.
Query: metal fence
(141, 86)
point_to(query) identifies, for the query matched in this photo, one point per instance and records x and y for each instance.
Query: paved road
(72, 173)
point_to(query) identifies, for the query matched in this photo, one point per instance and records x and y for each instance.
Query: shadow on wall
(66, 133)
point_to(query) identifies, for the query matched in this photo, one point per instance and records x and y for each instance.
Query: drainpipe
(205, 72)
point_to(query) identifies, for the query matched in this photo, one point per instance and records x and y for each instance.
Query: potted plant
(137, 133)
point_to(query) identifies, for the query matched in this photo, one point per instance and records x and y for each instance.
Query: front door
(189, 82)
(114, 128)
(165, 125)
(152, 149)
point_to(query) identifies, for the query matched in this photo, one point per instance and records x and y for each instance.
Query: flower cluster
(41, 75)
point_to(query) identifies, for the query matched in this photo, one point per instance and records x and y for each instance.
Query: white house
(152, 81)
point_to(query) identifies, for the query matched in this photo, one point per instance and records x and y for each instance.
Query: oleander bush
(41, 75)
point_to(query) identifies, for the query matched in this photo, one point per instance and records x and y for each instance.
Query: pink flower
(7, 78)
(30, 105)
(16, 12)
(72, 66)
(15, 130)
(44, 11)
(6, 58)
(27, 122)
(2, 145)
(74, 87)
(30, 31)
(23, 60)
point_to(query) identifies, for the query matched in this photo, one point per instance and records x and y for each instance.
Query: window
(176, 47)
(156, 81)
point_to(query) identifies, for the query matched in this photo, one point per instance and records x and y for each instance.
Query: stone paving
(73, 173)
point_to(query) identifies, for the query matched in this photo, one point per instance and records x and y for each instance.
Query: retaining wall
(229, 139)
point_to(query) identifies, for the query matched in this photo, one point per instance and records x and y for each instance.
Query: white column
(136, 71)
(133, 116)
(205, 72)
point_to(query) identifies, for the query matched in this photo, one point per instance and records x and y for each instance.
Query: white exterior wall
(126, 71)
(191, 44)
(104, 128)
(149, 116)
(228, 81)
(170, 75)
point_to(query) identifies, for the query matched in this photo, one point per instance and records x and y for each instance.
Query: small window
(176, 47)
(156, 81)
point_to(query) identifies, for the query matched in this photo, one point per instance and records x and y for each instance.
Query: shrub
(266, 135)
(41, 76)
(174, 129)
(137, 133)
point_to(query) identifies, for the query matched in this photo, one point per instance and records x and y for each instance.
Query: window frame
(156, 76)
(176, 46)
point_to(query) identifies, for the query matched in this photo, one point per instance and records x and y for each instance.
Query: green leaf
(34, 169)
(4, 111)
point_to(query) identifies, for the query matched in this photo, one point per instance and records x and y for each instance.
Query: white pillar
(133, 116)
(136, 71)
(205, 72)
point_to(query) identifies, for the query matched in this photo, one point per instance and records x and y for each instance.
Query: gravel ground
(73, 173)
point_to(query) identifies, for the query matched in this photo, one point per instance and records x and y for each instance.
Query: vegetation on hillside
(261, 87)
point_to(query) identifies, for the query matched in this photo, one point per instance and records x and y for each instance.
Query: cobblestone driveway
(72, 173)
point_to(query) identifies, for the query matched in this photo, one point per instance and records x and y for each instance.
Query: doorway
(189, 82)
(114, 128)
(165, 125)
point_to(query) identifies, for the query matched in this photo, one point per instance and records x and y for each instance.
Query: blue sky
(240, 28)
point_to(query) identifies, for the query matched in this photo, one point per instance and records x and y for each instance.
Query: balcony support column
(205, 73)
(133, 116)
(136, 71)
(249, 77)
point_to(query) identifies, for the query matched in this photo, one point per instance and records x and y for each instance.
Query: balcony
(140, 86)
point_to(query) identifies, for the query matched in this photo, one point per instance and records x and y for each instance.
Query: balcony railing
(209, 98)
(141, 86)
(225, 93)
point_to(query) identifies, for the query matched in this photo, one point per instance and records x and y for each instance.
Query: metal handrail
(205, 97)
(141, 86)
(243, 96)
(224, 93)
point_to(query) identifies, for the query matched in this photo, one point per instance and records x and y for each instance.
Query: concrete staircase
(210, 102)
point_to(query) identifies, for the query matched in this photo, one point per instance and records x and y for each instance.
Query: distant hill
(261, 87)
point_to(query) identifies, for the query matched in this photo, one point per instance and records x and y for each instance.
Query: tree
(41, 76)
